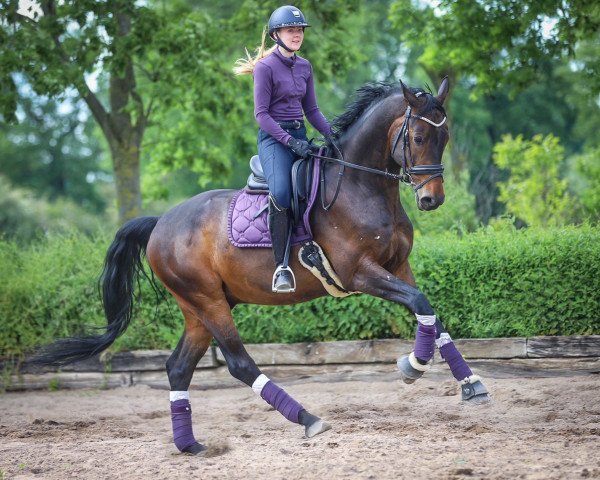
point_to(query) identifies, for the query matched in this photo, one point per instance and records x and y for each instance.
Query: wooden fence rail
(148, 366)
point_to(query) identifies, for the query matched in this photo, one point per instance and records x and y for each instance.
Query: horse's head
(417, 140)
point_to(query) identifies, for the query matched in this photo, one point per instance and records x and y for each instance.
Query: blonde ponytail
(245, 66)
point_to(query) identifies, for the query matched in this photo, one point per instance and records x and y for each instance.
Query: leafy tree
(213, 138)
(578, 78)
(534, 192)
(53, 151)
(542, 108)
(26, 217)
(522, 67)
(501, 42)
(585, 182)
(163, 64)
(57, 50)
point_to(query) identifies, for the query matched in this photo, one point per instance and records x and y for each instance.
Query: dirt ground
(537, 427)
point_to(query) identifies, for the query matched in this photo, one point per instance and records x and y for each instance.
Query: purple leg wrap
(281, 401)
(181, 418)
(425, 342)
(456, 362)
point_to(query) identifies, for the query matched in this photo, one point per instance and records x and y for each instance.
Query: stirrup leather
(291, 288)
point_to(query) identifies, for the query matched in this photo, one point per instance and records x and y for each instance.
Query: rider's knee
(282, 197)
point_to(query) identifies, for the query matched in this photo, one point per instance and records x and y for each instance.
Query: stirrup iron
(286, 288)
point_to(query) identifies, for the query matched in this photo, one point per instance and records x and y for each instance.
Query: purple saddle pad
(246, 230)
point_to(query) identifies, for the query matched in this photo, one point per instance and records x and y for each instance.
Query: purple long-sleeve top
(284, 91)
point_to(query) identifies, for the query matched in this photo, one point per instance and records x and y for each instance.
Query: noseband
(408, 168)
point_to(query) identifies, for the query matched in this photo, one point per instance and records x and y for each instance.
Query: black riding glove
(332, 138)
(300, 147)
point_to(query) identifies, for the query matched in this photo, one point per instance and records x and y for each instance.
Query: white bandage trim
(174, 396)
(416, 365)
(471, 379)
(425, 319)
(443, 340)
(260, 383)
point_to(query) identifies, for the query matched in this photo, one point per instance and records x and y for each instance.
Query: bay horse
(388, 134)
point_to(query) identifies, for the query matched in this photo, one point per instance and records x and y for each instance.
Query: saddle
(302, 185)
(247, 216)
(247, 219)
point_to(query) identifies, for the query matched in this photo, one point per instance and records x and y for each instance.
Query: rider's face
(292, 37)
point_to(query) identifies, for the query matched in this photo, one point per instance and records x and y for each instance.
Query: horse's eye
(418, 140)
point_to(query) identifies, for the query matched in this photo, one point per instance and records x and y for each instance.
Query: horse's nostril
(429, 202)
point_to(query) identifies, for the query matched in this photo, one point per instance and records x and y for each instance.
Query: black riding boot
(280, 228)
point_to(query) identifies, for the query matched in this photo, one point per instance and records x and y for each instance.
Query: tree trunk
(123, 134)
(126, 165)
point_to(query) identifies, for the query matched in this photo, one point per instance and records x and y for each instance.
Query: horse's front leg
(473, 389)
(375, 280)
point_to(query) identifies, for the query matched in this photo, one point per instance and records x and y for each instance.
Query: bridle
(407, 167)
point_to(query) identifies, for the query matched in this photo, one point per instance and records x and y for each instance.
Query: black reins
(407, 168)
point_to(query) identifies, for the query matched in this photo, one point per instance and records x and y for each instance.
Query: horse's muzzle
(430, 202)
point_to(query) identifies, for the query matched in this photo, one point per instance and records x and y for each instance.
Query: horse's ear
(410, 97)
(443, 90)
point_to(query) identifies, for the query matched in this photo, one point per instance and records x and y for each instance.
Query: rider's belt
(291, 125)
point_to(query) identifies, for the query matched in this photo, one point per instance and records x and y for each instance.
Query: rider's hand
(332, 138)
(300, 147)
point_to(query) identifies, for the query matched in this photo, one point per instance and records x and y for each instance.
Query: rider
(283, 94)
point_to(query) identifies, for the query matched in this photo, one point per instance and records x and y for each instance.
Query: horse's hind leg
(243, 367)
(180, 369)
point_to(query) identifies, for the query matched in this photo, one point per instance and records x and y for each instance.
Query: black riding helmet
(286, 16)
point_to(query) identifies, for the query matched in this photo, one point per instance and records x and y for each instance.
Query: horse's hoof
(475, 393)
(408, 372)
(194, 449)
(315, 428)
(484, 399)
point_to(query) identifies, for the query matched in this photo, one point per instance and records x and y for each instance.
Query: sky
(29, 8)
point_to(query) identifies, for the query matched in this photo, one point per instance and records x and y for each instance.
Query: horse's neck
(366, 144)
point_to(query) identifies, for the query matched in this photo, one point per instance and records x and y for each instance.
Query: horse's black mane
(370, 93)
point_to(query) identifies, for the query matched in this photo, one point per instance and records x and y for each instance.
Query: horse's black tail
(122, 266)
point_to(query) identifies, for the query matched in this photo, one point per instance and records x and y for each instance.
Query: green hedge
(515, 282)
(49, 289)
(486, 284)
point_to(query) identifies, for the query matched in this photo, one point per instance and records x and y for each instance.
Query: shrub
(496, 282)
(49, 290)
(509, 282)
(25, 217)
(533, 192)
